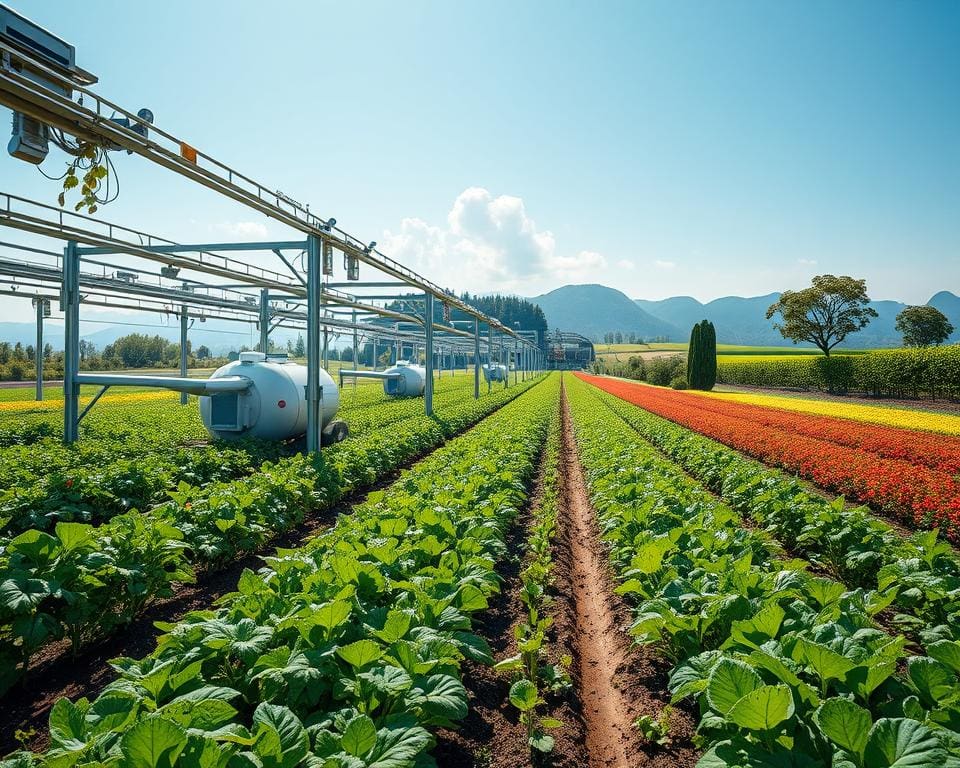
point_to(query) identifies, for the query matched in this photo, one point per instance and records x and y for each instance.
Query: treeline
(631, 337)
(512, 311)
(932, 372)
(135, 350)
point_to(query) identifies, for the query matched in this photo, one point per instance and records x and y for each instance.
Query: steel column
(264, 320)
(70, 305)
(428, 329)
(356, 363)
(184, 316)
(374, 342)
(476, 359)
(314, 281)
(38, 354)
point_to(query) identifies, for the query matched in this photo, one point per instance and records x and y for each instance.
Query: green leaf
(331, 615)
(152, 743)
(36, 545)
(762, 626)
(934, 681)
(902, 744)
(395, 627)
(523, 695)
(542, 742)
(112, 711)
(729, 682)
(763, 709)
(67, 725)
(20, 595)
(398, 747)
(442, 699)
(360, 736)
(471, 598)
(846, 724)
(825, 662)
(360, 653)
(946, 652)
(73, 535)
(294, 741)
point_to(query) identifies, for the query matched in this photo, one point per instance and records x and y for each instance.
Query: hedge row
(912, 372)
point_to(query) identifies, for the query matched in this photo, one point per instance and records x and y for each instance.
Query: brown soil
(617, 682)
(56, 673)
(492, 736)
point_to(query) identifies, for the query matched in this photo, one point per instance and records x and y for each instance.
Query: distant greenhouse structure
(569, 351)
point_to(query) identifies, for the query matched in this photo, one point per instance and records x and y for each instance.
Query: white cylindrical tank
(494, 371)
(409, 380)
(274, 407)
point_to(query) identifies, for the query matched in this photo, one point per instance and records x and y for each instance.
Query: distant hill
(742, 320)
(595, 309)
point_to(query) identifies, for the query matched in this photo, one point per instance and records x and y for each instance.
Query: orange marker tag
(188, 153)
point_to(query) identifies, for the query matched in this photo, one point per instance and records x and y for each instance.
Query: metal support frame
(476, 359)
(265, 319)
(428, 329)
(38, 354)
(70, 305)
(356, 362)
(314, 391)
(184, 326)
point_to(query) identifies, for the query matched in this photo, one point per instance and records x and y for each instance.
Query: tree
(694, 355)
(825, 313)
(203, 352)
(923, 326)
(300, 350)
(619, 337)
(708, 338)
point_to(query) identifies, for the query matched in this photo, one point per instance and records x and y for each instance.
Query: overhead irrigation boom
(51, 99)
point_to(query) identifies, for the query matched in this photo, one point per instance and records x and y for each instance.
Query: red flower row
(919, 495)
(925, 448)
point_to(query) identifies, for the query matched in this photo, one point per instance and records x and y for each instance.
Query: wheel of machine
(335, 432)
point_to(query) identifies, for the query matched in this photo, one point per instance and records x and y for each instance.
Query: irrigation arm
(175, 383)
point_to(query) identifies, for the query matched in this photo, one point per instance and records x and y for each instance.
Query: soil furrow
(617, 682)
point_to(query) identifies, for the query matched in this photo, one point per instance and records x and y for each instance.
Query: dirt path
(617, 682)
(492, 736)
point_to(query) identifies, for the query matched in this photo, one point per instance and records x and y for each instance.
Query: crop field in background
(725, 352)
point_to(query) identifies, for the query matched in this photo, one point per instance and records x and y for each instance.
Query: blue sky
(663, 148)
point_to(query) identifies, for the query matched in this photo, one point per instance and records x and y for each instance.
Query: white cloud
(489, 243)
(249, 230)
(662, 264)
(626, 264)
(807, 262)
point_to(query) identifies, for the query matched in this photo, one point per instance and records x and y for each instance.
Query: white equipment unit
(272, 407)
(252, 397)
(403, 379)
(494, 371)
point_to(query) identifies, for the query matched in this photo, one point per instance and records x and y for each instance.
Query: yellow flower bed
(873, 414)
(32, 406)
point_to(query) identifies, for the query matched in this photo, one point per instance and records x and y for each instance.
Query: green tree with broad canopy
(923, 326)
(825, 313)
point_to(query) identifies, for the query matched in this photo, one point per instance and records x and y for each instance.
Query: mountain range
(594, 310)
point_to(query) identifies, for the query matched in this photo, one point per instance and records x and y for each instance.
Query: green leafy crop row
(532, 672)
(786, 667)
(46, 482)
(82, 582)
(342, 654)
(920, 572)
